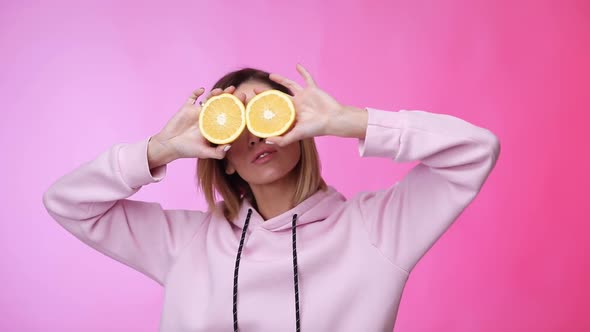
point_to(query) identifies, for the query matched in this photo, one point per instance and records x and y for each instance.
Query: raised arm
(91, 202)
(405, 219)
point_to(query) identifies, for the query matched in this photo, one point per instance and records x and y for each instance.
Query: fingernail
(268, 142)
(226, 148)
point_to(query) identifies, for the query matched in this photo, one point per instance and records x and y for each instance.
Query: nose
(252, 139)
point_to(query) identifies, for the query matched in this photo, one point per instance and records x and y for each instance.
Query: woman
(305, 256)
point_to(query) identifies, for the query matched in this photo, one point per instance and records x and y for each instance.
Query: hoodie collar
(316, 207)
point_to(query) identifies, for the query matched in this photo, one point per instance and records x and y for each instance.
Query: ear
(229, 168)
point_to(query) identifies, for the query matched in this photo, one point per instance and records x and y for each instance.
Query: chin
(267, 176)
(261, 179)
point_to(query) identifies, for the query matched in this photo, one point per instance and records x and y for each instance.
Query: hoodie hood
(316, 207)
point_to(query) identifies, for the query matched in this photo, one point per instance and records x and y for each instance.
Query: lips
(261, 151)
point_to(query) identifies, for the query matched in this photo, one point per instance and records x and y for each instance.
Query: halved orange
(222, 118)
(270, 113)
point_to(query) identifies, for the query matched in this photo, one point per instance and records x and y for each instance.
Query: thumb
(216, 152)
(284, 140)
(221, 150)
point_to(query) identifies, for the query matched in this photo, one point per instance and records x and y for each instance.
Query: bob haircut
(211, 176)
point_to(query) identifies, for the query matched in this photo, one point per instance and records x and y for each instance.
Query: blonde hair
(211, 177)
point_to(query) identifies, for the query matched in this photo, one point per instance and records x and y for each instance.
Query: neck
(273, 199)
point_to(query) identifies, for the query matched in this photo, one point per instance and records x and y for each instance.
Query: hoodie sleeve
(91, 202)
(404, 220)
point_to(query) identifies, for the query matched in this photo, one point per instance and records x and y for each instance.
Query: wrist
(349, 121)
(158, 153)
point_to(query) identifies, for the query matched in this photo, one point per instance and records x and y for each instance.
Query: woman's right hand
(181, 137)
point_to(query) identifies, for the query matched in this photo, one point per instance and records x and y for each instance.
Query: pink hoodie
(352, 257)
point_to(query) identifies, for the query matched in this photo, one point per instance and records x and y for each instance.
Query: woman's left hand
(314, 109)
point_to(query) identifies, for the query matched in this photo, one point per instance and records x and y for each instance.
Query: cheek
(294, 153)
(232, 159)
(237, 157)
(238, 149)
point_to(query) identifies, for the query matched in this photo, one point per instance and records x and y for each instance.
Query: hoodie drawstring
(295, 274)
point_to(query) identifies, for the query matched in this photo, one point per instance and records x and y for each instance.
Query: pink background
(76, 79)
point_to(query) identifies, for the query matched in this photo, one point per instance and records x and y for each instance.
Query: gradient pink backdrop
(76, 79)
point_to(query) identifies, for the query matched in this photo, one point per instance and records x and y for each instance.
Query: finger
(242, 97)
(286, 82)
(306, 75)
(258, 90)
(196, 94)
(230, 89)
(215, 92)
